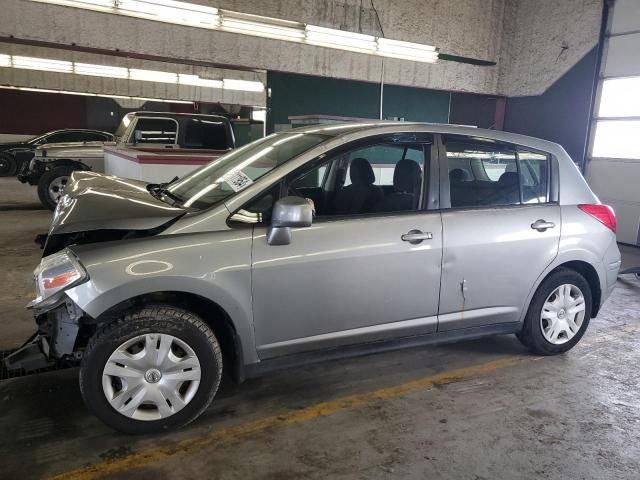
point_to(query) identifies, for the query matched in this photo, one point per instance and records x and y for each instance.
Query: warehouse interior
(477, 407)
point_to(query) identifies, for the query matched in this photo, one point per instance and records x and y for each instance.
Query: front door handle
(542, 225)
(416, 236)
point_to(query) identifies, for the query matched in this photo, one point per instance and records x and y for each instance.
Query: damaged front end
(96, 208)
(55, 341)
(58, 318)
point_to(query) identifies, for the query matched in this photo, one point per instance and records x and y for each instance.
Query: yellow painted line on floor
(191, 445)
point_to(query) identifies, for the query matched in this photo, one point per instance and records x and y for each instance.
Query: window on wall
(617, 128)
(491, 174)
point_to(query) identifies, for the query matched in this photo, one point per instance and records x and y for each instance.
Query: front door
(500, 233)
(354, 275)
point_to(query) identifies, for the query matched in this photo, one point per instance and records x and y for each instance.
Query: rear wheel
(151, 371)
(8, 165)
(53, 184)
(559, 313)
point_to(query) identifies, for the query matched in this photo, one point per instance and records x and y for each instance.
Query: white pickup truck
(51, 167)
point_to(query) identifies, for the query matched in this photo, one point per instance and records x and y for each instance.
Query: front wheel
(53, 185)
(559, 313)
(152, 370)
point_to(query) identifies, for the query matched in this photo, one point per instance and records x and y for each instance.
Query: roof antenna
(375, 10)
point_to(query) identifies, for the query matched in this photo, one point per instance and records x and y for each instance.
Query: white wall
(534, 34)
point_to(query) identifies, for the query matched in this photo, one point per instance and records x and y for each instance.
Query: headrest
(458, 175)
(407, 176)
(361, 172)
(508, 179)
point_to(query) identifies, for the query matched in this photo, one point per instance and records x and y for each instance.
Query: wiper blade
(159, 191)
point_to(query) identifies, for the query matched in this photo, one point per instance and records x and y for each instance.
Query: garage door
(614, 166)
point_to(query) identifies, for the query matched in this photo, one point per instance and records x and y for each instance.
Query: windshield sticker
(237, 180)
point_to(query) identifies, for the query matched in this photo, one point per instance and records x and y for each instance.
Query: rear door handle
(542, 225)
(416, 236)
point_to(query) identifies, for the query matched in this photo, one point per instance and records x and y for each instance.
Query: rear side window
(156, 131)
(534, 174)
(494, 174)
(206, 134)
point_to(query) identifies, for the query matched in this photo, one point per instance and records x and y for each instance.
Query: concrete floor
(484, 409)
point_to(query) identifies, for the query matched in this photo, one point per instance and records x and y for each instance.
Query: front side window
(163, 131)
(386, 177)
(494, 174)
(238, 169)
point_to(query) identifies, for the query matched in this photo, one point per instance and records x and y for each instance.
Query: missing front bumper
(33, 355)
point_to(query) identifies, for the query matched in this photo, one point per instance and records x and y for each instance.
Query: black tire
(153, 319)
(531, 334)
(8, 165)
(46, 180)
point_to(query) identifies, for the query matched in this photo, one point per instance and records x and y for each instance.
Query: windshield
(126, 120)
(237, 170)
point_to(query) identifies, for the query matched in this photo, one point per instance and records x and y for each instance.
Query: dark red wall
(34, 113)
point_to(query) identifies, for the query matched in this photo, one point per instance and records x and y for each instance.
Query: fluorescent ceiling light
(100, 70)
(171, 11)
(184, 79)
(407, 50)
(329, 37)
(46, 64)
(202, 16)
(152, 76)
(263, 26)
(620, 98)
(108, 71)
(246, 85)
(88, 94)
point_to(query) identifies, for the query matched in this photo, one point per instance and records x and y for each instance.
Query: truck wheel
(559, 313)
(52, 185)
(152, 370)
(8, 165)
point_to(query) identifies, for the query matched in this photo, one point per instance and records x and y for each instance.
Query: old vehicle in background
(51, 167)
(14, 155)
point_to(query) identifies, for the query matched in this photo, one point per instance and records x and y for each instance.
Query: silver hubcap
(151, 376)
(562, 314)
(57, 188)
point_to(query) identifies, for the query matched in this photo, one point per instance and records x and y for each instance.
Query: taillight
(603, 213)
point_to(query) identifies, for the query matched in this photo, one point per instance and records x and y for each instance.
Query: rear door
(501, 230)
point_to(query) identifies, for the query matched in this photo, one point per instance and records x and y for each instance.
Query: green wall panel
(293, 94)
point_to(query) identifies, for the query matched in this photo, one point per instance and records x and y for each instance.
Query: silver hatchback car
(315, 243)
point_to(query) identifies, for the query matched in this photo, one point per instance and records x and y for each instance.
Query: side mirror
(137, 136)
(288, 212)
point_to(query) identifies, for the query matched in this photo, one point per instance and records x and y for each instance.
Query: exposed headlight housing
(41, 153)
(55, 274)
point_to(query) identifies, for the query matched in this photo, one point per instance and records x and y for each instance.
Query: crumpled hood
(95, 201)
(73, 149)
